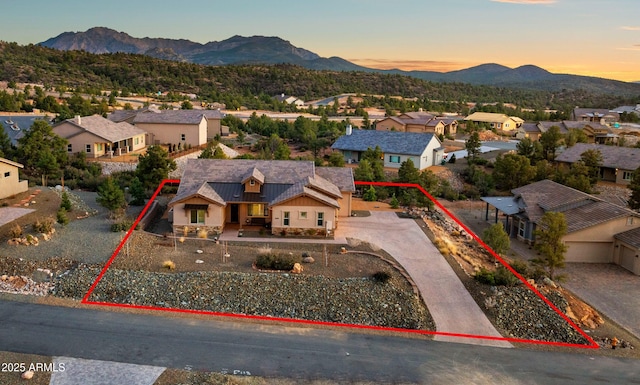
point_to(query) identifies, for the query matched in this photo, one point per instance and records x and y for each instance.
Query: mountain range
(274, 50)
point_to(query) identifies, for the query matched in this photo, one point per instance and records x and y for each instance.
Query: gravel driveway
(450, 304)
(88, 240)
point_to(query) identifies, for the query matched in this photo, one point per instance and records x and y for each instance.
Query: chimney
(78, 119)
(349, 129)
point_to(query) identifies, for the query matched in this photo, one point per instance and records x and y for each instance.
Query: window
(183, 137)
(521, 228)
(252, 182)
(137, 140)
(627, 175)
(197, 216)
(285, 218)
(88, 148)
(69, 148)
(7, 174)
(303, 215)
(394, 159)
(256, 210)
(99, 146)
(320, 219)
(630, 221)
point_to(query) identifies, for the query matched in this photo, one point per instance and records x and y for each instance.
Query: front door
(235, 217)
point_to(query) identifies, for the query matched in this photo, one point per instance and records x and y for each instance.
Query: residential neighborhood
(177, 212)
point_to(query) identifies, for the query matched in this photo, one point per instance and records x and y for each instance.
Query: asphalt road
(298, 353)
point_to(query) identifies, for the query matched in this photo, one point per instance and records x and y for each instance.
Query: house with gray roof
(290, 197)
(424, 149)
(418, 122)
(595, 132)
(618, 163)
(594, 226)
(96, 136)
(598, 115)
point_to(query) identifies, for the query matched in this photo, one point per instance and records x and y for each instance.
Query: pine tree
(551, 229)
(634, 186)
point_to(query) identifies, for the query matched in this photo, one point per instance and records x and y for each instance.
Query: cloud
(412, 65)
(630, 28)
(635, 47)
(528, 2)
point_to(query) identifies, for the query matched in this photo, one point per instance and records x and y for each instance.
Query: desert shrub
(65, 203)
(485, 276)
(277, 261)
(123, 225)
(522, 267)
(43, 225)
(381, 276)
(394, 202)
(16, 231)
(61, 216)
(504, 277)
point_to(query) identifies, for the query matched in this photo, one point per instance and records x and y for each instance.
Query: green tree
(472, 145)
(634, 186)
(408, 172)
(496, 238)
(550, 141)
(394, 202)
(154, 166)
(592, 159)
(65, 202)
(110, 196)
(364, 172)
(577, 177)
(375, 158)
(548, 241)
(575, 136)
(41, 150)
(186, 105)
(336, 159)
(512, 170)
(6, 150)
(370, 194)
(137, 191)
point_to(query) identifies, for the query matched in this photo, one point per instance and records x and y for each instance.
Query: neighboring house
(96, 136)
(10, 183)
(185, 127)
(290, 197)
(529, 130)
(595, 228)
(500, 122)
(425, 150)
(628, 109)
(418, 122)
(595, 132)
(282, 98)
(596, 115)
(618, 163)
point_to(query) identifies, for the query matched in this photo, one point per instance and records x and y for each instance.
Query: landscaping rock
(308, 260)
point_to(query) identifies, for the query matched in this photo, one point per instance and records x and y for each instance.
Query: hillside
(274, 50)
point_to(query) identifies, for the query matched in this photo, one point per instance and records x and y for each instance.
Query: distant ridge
(274, 50)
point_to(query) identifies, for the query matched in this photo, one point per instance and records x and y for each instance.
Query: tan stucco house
(618, 163)
(500, 122)
(97, 136)
(10, 183)
(290, 197)
(421, 122)
(595, 228)
(184, 127)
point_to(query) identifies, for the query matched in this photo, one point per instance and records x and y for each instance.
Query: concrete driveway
(451, 306)
(610, 289)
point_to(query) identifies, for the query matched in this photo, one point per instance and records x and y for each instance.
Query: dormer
(253, 181)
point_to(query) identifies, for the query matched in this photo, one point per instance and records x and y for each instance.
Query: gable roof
(177, 116)
(222, 181)
(394, 142)
(11, 163)
(625, 158)
(632, 237)
(342, 177)
(581, 210)
(530, 127)
(104, 128)
(594, 113)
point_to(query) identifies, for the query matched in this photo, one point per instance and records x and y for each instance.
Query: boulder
(308, 260)
(27, 375)
(297, 269)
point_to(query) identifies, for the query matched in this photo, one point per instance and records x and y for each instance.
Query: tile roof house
(597, 115)
(595, 132)
(498, 121)
(97, 136)
(10, 183)
(282, 98)
(424, 150)
(194, 127)
(290, 197)
(618, 163)
(418, 122)
(594, 226)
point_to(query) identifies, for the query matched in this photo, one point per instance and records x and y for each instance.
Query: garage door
(593, 252)
(627, 258)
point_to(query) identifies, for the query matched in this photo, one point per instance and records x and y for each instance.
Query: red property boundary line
(85, 300)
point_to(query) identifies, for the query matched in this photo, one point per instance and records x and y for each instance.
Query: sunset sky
(585, 37)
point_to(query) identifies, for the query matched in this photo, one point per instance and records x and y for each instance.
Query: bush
(66, 202)
(43, 226)
(16, 231)
(504, 277)
(394, 202)
(277, 261)
(522, 267)
(485, 276)
(62, 217)
(123, 225)
(381, 276)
